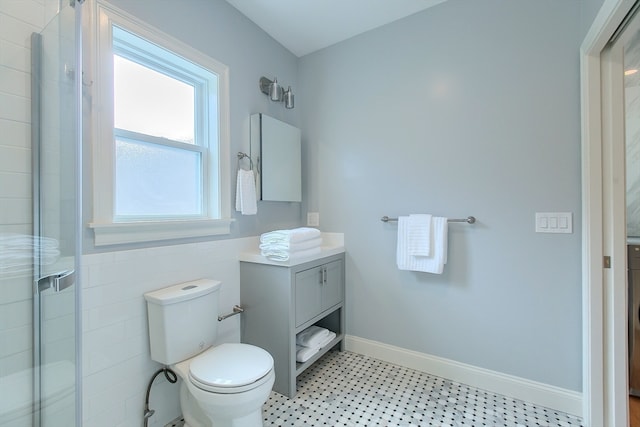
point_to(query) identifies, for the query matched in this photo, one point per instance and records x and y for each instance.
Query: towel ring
(241, 156)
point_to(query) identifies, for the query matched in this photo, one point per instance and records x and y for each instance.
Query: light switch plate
(313, 219)
(554, 222)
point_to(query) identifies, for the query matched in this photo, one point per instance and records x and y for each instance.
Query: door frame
(603, 297)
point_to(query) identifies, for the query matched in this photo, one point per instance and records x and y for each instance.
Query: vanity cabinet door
(308, 294)
(332, 288)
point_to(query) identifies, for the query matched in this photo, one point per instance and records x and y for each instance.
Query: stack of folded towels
(312, 340)
(282, 245)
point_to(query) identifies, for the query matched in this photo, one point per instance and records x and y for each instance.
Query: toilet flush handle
(236, 310)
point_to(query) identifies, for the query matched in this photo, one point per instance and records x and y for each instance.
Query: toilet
(221, 386)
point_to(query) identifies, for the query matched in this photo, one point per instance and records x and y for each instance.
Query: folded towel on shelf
(246, 201)
(305, 353)
(284, 255)
(328, 339)
(428, 264)
(312, 337)
(295, 235)
(292, 247)
(419, 237)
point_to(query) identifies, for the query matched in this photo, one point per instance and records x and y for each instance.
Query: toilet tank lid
(182, 291)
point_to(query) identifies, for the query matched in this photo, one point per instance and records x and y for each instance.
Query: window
(161, 147)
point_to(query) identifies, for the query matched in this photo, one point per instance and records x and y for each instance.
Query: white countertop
(332, 244)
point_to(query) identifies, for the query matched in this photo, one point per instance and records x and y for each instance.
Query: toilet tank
(183, 320)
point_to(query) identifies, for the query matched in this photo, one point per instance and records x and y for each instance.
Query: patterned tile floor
(348, 389)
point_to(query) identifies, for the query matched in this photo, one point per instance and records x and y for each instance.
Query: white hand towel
(292, 247)
(246, 193)
(285, 255)
(431, 264)
(295, 235)
(419, 234)
(312, 336)
(305, 353)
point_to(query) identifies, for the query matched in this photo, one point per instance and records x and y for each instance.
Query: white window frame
(108, 230)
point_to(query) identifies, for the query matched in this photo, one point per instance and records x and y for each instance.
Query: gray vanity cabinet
(282, 300)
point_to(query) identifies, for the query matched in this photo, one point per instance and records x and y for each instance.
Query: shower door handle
(57, 281)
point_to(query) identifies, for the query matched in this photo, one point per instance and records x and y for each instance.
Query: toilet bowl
(221, 385)
(225, 386)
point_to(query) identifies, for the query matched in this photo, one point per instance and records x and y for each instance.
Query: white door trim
(601, 370)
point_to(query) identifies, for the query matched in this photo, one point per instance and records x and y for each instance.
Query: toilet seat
(230, 368)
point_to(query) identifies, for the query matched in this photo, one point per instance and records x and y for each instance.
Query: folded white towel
(284, 255)
(295, 235)
(419, 234)
(327, 340)
(312, 337)
(431, 264)
(246, 193)
(292, 247)
(305, 353)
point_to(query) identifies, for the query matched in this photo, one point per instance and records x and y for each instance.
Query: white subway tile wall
(116, 362)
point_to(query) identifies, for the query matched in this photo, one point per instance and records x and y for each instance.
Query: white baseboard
(508, 385)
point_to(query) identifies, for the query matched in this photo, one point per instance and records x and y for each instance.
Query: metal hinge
(607, 261)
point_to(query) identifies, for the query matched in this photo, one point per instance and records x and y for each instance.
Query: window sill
(137, 232)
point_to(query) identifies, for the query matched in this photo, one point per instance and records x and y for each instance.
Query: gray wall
(589, 9)
(468, 108)
(220, 31)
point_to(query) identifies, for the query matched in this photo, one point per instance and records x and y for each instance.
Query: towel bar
(468, 220)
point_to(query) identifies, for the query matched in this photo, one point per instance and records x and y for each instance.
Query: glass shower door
(38, 249)
(55, 200)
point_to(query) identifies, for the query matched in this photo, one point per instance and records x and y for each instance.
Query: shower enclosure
(39, 233)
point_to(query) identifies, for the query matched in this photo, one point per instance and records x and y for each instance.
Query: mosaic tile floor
(348, 389)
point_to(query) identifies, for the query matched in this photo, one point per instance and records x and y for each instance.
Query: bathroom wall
(217, 29)
(468, 108)
(588, 11)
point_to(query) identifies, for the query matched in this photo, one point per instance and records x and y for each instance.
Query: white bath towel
(295, 235)
(292, 247)
(438, 258)
(285, 255)
(246, 193)
(419, 234)
(305, 353)
(312, 337)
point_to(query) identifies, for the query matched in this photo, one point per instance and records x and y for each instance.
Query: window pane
(155, 180)
(149, 102)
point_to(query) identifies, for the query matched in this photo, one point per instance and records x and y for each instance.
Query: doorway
(629, 43)
(605, 384)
